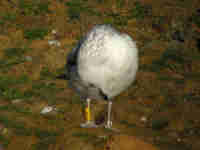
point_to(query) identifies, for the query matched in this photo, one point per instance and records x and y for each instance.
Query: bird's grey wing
(71, 64)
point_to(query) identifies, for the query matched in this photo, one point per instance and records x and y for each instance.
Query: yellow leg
(89, 123)
(87, 113)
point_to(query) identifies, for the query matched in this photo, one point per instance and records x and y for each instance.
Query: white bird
(102, 65)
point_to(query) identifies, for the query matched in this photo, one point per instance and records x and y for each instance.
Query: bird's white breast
(108, 60)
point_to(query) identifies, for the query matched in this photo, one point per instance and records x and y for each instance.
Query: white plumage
(103, 64)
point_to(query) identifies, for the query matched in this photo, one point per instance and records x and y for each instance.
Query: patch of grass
(159, 124)
(46, 74)
(2, 22)
(45, 91)
(6, 64)
(116, 18)
(84, 136)
(191, 97)
(42, 134)
(100, 1)
(173, 54)
(18, 127)
(6, 80)
(15, 52)
(9, 17)
(158, 20)
(77, 7)
(195, 19)
(33, 8)
(192, 75)
(11, 93)
(165, 61)
(44, 143)
(28, 94)
(139, 11)
(41, 145)
(42, 8)
(35, 33)
(4, 141)
(125, 122)
(171, 78)
(109, 20)
(38, 85)
(74, 9)
(120, 3)
(7, 90)
(13, 108)
(24, 78)
(42, 85)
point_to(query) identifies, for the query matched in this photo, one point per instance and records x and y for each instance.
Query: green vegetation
(195, 19)
(35, 33)
(79, 7)
(9, 17)
(4, 141)
(15, 52)
(139, 11)
(46, 74)
(126, 123)
(33, 8)
(7, 89)
(18, 127)
(84, 136)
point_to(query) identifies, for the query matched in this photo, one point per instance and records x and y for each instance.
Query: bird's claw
(89, 124)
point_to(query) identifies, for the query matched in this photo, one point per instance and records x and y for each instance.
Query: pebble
(54, 42)
(47, 109)
(28, 58)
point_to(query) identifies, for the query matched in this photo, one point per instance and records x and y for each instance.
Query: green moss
(33, 8)
(46, 74)
(120, 3)
(7, 89)
(9, 17)
(196, 19)
(13, 108)
(4, 141)
(139, 11)
(44, 133)
(115, 19)
(77, 7)
(126, 123)
(84, 136)
(15, 52)
(35, 33)
(16, 126)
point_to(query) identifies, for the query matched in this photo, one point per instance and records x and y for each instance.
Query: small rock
(28, 58)
(143, 119)
(53, 31)
(17, 101)
(54, 42)
(178, 139)
(47, 109)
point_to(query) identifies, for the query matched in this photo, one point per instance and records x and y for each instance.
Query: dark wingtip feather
(62, 77)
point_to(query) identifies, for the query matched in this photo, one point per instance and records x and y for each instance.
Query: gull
(101, 66)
